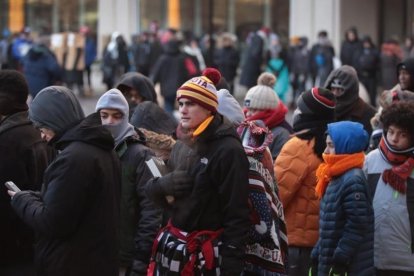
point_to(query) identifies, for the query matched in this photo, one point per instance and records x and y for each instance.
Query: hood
(37, 51)
(230, 107)
(150, 116)
(56, 108)
(14, 120)
(348, 137)
(348, 78)
(140, 83)
(89, 131)
(113, 99)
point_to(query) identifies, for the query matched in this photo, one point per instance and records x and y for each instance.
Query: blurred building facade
(379, 18)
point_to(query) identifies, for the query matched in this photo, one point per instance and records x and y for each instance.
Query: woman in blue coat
(346, 224)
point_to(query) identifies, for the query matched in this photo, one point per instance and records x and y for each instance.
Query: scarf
(271, 117)
(121, 131)
(188, 136)
(335, 165)
(402, 166)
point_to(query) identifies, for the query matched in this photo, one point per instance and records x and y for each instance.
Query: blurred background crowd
(169, 56)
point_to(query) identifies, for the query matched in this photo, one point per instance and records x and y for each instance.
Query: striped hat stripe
(196, 89)
(189, 94)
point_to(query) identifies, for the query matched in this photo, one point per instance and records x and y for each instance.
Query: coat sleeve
(359, 220)
(279, 139)
(54, 70)
(232, 172)
(150, 217)
(58, 212)
(152, 188)
(291, 167)
(155, 73)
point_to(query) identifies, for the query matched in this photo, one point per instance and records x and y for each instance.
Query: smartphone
(11, 186)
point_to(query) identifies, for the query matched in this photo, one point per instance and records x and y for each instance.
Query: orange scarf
(203, 126)
(334, 165)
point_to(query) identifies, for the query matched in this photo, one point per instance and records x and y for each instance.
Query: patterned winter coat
(295, 169)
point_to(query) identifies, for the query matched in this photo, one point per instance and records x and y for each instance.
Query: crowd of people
(227, 188)
(297, 65)
(44, 64)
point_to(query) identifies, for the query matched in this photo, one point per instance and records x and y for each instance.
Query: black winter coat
(253, 60)
(24, 157)
(219, 197)
(169, 70)
(76, 215)
(350, 51)
(140, 220)
(227, 60)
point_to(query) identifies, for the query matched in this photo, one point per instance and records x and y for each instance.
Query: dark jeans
(394, 273)
(88, 76)
(299, 260)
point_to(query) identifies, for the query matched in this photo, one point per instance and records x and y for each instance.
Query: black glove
(338, 270)
(138, 268)
(176, 183)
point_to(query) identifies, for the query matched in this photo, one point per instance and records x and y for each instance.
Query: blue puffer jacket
(40, 69)
(346, 226)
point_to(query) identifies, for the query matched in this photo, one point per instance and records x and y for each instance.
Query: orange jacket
(295, 169)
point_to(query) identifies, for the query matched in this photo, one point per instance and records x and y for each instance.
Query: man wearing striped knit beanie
(208, 180)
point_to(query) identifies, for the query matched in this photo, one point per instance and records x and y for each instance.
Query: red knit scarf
(335, 165)
(403, 166)
(271, 117)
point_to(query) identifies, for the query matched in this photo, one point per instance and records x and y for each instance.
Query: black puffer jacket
(219, 165)
(76, 215)
(23, 160)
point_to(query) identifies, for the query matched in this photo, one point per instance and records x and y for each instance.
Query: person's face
(330, 147)
(404, 79)
(408, 42)
(251, 112)
(191, 113)
(398, 138)
(351, 36)
(110, 116)
(46, 134)
(338, 92)
(366, 45)
(133, 96)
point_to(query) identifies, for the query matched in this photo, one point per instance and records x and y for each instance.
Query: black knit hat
(408, 65)
(315, 106)
(13, 92)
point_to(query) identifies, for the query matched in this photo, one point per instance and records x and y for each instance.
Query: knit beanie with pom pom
(262, 96)
(202, 89)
